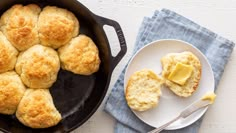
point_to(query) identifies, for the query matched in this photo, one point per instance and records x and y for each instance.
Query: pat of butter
(209, 96)
(181, 73)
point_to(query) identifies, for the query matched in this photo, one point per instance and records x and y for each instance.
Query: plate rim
(153, 43)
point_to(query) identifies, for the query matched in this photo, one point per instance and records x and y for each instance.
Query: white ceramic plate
(170, 105)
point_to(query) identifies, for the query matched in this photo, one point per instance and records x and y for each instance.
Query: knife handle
(157, 130)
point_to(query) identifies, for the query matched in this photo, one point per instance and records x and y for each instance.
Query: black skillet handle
(104, 21)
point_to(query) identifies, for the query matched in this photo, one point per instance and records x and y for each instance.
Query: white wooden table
(216, 15)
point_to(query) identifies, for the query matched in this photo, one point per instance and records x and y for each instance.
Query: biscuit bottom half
(143, 90)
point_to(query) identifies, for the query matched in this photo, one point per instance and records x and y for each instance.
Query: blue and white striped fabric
(166, 24)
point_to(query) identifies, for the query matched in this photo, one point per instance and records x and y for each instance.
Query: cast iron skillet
(76, 97)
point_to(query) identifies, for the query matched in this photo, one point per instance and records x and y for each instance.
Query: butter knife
(185, 113)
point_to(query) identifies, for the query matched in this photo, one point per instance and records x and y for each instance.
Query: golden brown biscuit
(169, 63)
(38, 66)
(80, 56)
(8, 54)
(143, 90)
(57, 26)
(37, 110)
(11, 92)
(19, 24)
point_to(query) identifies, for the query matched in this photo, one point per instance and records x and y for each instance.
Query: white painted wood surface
(216, 15)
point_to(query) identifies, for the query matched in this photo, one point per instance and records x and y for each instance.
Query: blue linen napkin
(166, 24)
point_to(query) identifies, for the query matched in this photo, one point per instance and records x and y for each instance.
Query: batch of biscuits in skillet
(34, 44)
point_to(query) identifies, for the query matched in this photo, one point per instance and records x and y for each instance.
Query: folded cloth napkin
(166, 24)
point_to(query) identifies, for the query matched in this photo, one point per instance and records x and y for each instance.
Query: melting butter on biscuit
(181, 73)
